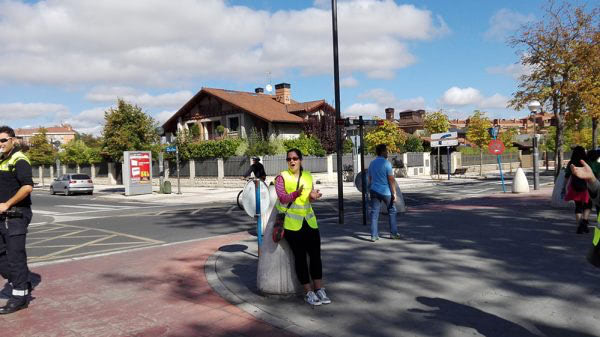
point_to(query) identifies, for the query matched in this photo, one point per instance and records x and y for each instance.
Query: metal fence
(474, 159)
(184, 167)
(235, 166)
(207, 168)
(414, 159)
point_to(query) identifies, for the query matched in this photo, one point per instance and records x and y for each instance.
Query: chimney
(259, 90)
(283, 93)
(389, 114)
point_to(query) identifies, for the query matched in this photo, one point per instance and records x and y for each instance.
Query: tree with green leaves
(41, 152)
(388, 133)
(508, 137)
(436, 122)
(549, 51)
(478, 134)
(128, 128)
(413, 144)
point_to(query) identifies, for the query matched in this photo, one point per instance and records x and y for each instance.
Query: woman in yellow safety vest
(295, 193)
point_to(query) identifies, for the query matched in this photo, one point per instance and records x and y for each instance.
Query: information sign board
(171, 148)
(445, 142)
(444, 135)
(137, 172)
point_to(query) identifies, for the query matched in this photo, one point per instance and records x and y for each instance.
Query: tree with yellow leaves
(389, 134)
(478, 134)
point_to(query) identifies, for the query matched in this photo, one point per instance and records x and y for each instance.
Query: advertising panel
(139, 165)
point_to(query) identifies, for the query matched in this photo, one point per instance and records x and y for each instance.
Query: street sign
(172, 148)
(445, 142)
(370, 122)
(496, 147)
(444, 135)
(341, 122)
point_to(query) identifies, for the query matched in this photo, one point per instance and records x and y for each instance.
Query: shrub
(307, 144)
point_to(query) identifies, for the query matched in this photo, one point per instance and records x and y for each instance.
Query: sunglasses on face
(292, 158)
(4, 140)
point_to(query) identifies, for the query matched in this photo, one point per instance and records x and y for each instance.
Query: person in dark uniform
(257, 168)
(16, 185)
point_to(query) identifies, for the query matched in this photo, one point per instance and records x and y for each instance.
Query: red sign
(139, 164)
(496, 147)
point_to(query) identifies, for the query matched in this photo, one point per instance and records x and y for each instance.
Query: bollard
(520, 183)
(276, 275)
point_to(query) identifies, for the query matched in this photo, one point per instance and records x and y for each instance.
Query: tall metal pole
(448, 161)
(362, 166)
(177, 159)
(536, 176)
(338, 127)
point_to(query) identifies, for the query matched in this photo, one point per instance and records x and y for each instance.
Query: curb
(210, 271)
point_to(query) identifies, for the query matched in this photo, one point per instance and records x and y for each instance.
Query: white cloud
(461, 96)
(349, 82)
(495, 101)
(360, 109)
(25, 111)
(382, 99)
(88, 121)
(504, 22)
(513, 70)
(163, 116)
(144, 100)
(153, 42)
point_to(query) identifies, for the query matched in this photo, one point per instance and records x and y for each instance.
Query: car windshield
(80, 176)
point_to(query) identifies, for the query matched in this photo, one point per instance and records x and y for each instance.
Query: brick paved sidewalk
(159, 291)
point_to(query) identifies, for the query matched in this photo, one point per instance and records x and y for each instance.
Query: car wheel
(52, 191)
(91, 192)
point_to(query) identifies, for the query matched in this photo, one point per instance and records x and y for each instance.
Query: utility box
(137, 172)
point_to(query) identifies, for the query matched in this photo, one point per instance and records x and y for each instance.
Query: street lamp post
(534, 107)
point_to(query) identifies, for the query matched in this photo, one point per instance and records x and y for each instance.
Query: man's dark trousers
(13, 257)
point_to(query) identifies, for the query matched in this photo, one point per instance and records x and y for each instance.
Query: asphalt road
(82, 225)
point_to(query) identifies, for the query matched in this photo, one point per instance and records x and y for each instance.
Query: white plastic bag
(558, 198)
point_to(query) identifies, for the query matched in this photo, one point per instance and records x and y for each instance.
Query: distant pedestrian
(295, 192)
(16, 185)
(577, 191)
(382, 188)
(257, 169)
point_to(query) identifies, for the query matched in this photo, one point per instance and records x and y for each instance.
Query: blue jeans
(375, 206)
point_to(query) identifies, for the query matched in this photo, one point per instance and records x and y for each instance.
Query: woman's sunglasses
(292, 158)
(4, 140)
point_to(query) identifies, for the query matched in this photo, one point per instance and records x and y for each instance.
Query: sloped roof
(66, 129)
(262, 106)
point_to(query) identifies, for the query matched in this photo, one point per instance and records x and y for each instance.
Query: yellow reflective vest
(300, 209)
(8, 165)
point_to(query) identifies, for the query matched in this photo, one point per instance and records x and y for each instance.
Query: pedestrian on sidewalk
(577, 191)
(16, 185)
(382, 188)
(295, 192)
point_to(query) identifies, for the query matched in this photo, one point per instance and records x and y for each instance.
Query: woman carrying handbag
(577, 191)
(295, 193)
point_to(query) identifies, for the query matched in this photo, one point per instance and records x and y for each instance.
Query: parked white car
(72, 183)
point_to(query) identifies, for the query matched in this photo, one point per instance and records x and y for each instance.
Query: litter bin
(166, 187)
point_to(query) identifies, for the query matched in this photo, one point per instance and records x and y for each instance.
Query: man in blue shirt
(382, 188)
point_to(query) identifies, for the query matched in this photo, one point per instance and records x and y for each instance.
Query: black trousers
(306, 241)
(13, 257)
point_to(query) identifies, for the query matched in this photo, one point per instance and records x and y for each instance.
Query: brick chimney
(283, 93)
(389, 114)
(259, 90)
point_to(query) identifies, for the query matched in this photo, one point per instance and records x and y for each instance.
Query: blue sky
(69, 60)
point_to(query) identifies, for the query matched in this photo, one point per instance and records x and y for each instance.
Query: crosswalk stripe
(86, 207)
(108, 206)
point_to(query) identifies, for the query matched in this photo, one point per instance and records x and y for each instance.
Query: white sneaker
(323, 296)
(312, 299)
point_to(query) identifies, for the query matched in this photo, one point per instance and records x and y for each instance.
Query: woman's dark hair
(298, 152)
(577, 155)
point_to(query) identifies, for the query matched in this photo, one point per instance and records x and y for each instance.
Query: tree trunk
(594, 134)
(560, 123)
(480, 162)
